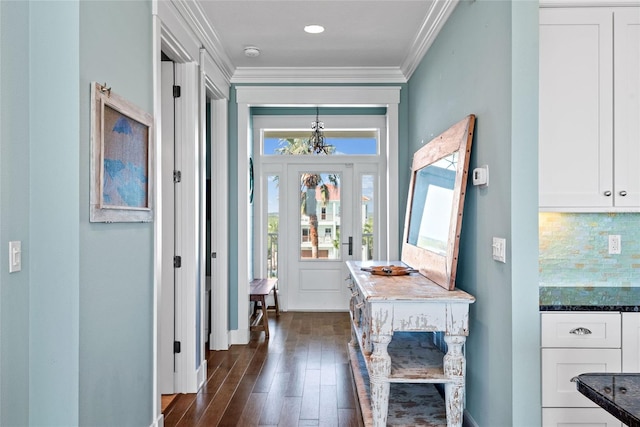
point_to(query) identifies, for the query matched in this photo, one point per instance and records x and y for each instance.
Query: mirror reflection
(432, 205)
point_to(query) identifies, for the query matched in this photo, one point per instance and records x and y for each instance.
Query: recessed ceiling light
(314, 29)
(251, 51)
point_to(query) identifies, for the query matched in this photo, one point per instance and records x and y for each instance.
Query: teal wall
(76, 322)
(14, 211)
(574, 249)
(484, 61)
(116, 262)
(54, 191)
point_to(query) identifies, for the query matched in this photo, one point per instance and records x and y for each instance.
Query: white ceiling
(367, 35)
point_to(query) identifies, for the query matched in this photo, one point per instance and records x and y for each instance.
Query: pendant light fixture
(316, 140)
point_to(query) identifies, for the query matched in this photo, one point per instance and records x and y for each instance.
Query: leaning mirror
(435, 204)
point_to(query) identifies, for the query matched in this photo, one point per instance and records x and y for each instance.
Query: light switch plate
(15, 256)
(499, 249)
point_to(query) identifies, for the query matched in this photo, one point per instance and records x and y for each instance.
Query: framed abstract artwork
(121, 159)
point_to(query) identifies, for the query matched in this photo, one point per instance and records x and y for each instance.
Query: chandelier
(316, 140)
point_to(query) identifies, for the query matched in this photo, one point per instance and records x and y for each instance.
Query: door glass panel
(319, 216)
(273, 222)
(367, 219)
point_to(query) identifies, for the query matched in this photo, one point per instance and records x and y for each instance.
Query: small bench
(258, 291)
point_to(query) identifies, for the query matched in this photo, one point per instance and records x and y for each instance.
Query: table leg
(380, 364)
(265, 319)
(455, 366)
(275, 299)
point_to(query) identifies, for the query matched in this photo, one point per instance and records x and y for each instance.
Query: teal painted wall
(14, 211)
(54, 189)
(76, 323)
(484, 61)
(116, 261)
(574, 249)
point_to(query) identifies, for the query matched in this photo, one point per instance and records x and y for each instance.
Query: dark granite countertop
(618, 394)
(589, 298)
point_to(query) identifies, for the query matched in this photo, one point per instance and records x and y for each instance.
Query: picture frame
(122, 175)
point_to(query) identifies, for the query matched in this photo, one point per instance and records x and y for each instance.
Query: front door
(320, 211)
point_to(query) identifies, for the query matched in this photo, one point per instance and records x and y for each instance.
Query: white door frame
(266, 165)
(172, 35)
(337, 96)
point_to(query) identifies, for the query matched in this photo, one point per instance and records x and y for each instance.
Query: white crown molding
(433, 23)
(294, 75)
(195, 17)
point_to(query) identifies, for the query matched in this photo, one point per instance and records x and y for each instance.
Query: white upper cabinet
(589, 145)
(627, 106)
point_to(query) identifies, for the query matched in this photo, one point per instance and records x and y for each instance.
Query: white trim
(159, 421)
(393, 221)
(357, 96)
(187, 224)
(219, 338)
(194, 17)
(157, 225)
(328, 75)
(342, 96)
(435, 19)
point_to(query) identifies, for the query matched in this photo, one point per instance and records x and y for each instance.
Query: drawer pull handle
(360, 305)
(607, 390)
(580, 331)
(354, 293)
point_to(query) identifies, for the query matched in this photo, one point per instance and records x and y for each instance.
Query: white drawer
(578, 417)
(581, 330)
(559, 365)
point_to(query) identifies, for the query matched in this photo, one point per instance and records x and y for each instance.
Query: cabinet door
(559, 365)
(627, 106)
(576, 108)
(578, 417)
(630, 342)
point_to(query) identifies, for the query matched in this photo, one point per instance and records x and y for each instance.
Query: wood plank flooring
(299, 377)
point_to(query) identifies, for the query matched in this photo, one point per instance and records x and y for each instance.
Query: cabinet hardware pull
(607, 390)
(580, 331)
(360, 305)
(354, 293)
(607, 193)
(623, 193)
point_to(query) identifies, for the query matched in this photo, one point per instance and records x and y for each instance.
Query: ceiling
(363, 35)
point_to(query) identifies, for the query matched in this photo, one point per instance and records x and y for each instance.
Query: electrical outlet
(615, 244)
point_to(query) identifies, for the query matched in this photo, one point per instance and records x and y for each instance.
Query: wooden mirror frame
(439, 268)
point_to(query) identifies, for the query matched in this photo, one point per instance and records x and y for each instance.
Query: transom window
(346, 142)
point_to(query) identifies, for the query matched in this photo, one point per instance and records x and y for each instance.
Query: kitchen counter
(585, 298)
(618, 394)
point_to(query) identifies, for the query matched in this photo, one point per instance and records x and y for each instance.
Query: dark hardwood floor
(299, 377)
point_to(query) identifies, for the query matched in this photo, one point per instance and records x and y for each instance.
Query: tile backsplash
(574, 249)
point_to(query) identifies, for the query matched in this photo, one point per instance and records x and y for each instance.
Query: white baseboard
(159, 422)
(238, 336)
(202, 374)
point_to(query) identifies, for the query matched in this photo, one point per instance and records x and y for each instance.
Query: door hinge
(177, 261)
(177, 176)
(176, 91)
(176, 346)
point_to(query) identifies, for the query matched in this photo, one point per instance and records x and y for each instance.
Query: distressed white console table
(383, 305)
